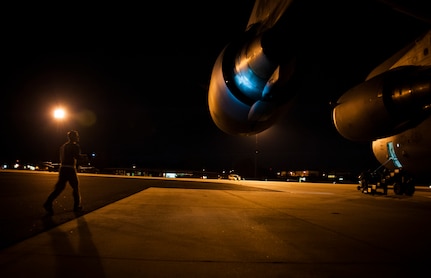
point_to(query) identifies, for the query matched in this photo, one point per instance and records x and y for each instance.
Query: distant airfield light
(59, 113)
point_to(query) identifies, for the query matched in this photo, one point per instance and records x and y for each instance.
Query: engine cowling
(245, 93)
(387, 104)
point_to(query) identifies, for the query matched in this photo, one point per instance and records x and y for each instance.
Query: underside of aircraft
(260, 72)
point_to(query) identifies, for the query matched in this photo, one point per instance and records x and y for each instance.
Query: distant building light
(170, 175)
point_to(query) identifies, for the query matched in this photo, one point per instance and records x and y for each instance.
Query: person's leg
(73, 180)
(58, 188)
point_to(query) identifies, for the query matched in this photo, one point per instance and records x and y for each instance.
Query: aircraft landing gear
(403, 184)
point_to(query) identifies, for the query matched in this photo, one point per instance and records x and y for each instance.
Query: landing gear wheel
(410, 190)
(409, 185)
(398, 189)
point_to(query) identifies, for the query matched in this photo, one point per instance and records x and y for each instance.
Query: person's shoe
(48, 208)
(77, 209)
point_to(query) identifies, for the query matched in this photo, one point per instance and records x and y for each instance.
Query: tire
(398, 189)
(410, 190)
(409, 187)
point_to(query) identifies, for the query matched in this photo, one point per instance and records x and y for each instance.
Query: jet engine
(249, 77)
(384, 105)
(245, 91)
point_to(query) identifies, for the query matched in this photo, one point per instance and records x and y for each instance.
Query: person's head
(73, 136)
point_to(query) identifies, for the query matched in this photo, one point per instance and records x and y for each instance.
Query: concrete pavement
(267, 231)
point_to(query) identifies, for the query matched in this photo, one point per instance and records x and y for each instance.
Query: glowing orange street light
(59, 113)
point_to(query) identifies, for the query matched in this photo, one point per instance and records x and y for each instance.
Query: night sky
(134, 80)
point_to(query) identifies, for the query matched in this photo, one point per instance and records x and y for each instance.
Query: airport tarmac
(271, 229)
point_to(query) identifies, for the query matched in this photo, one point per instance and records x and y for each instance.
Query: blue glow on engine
(249, 84)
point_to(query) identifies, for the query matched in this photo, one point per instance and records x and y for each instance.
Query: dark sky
(134, 81)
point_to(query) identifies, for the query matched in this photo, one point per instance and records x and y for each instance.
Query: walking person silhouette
(70, 153)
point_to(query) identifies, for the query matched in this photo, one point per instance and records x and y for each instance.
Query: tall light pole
(256, 152)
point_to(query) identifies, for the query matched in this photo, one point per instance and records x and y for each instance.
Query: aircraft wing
(413, 8)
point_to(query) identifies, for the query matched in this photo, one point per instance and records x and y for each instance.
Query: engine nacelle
(384, 105)
(244, 96)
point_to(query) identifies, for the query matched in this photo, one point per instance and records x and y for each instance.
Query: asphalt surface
(204, 228)
(23, 193)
